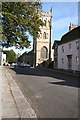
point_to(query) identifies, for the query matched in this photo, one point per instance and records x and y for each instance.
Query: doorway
(69, 62)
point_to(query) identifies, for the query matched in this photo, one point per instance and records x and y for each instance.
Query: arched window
(45, 22)
(41, 35)
(44, 35)
(47, 36)
(48, 23)
(44, 53)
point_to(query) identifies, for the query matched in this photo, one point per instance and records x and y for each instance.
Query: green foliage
(10, 56)
(17, 19)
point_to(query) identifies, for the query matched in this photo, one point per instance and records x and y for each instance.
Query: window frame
(62, 49)
(44, 35)
(77, 60)
(41, 53)
(45, 22)
(62, 60)
(77, 44)
(69, 47)
(40, 35)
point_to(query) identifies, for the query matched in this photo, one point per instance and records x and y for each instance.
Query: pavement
(64, 72)
(13, 104)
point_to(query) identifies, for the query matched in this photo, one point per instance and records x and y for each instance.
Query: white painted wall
(74, 52)
(3, 58)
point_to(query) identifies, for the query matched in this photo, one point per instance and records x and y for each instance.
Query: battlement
(46, 13)
(43, 13)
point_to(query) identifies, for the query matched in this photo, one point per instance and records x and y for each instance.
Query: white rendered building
(3, 58)
(69, 50)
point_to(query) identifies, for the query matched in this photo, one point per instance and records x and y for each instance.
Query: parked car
(24, 65)
(18, 63)
(14, 64)
(6, 64)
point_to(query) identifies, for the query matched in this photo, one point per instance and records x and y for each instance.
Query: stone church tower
(43, 45)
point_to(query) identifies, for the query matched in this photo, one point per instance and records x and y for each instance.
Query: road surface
(50, 95)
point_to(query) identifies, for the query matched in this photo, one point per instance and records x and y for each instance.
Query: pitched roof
(70, 36)
(30, 53)
(56, 42)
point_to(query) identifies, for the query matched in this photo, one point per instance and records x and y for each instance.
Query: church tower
(43, 44)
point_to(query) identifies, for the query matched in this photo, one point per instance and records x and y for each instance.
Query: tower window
(44, 35)
(47, 36)
(41, 35)
(44, 53)
(48, 23)
(45, 22)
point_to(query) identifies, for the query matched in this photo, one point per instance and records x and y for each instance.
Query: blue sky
(63, 13)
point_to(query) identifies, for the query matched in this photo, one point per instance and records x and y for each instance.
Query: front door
(69, 62)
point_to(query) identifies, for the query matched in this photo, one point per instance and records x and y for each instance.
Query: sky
(62, 14)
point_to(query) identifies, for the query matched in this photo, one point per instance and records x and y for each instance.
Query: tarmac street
(50, 94)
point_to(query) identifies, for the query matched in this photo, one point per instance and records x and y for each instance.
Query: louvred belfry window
(44, 35)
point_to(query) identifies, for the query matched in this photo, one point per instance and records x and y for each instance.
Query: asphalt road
(51, 95)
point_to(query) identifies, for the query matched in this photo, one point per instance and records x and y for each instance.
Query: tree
(10, 56)
(17, 19)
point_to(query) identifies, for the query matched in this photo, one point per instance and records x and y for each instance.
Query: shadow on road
(65, 79)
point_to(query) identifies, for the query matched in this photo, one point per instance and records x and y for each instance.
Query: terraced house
(69, 50)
